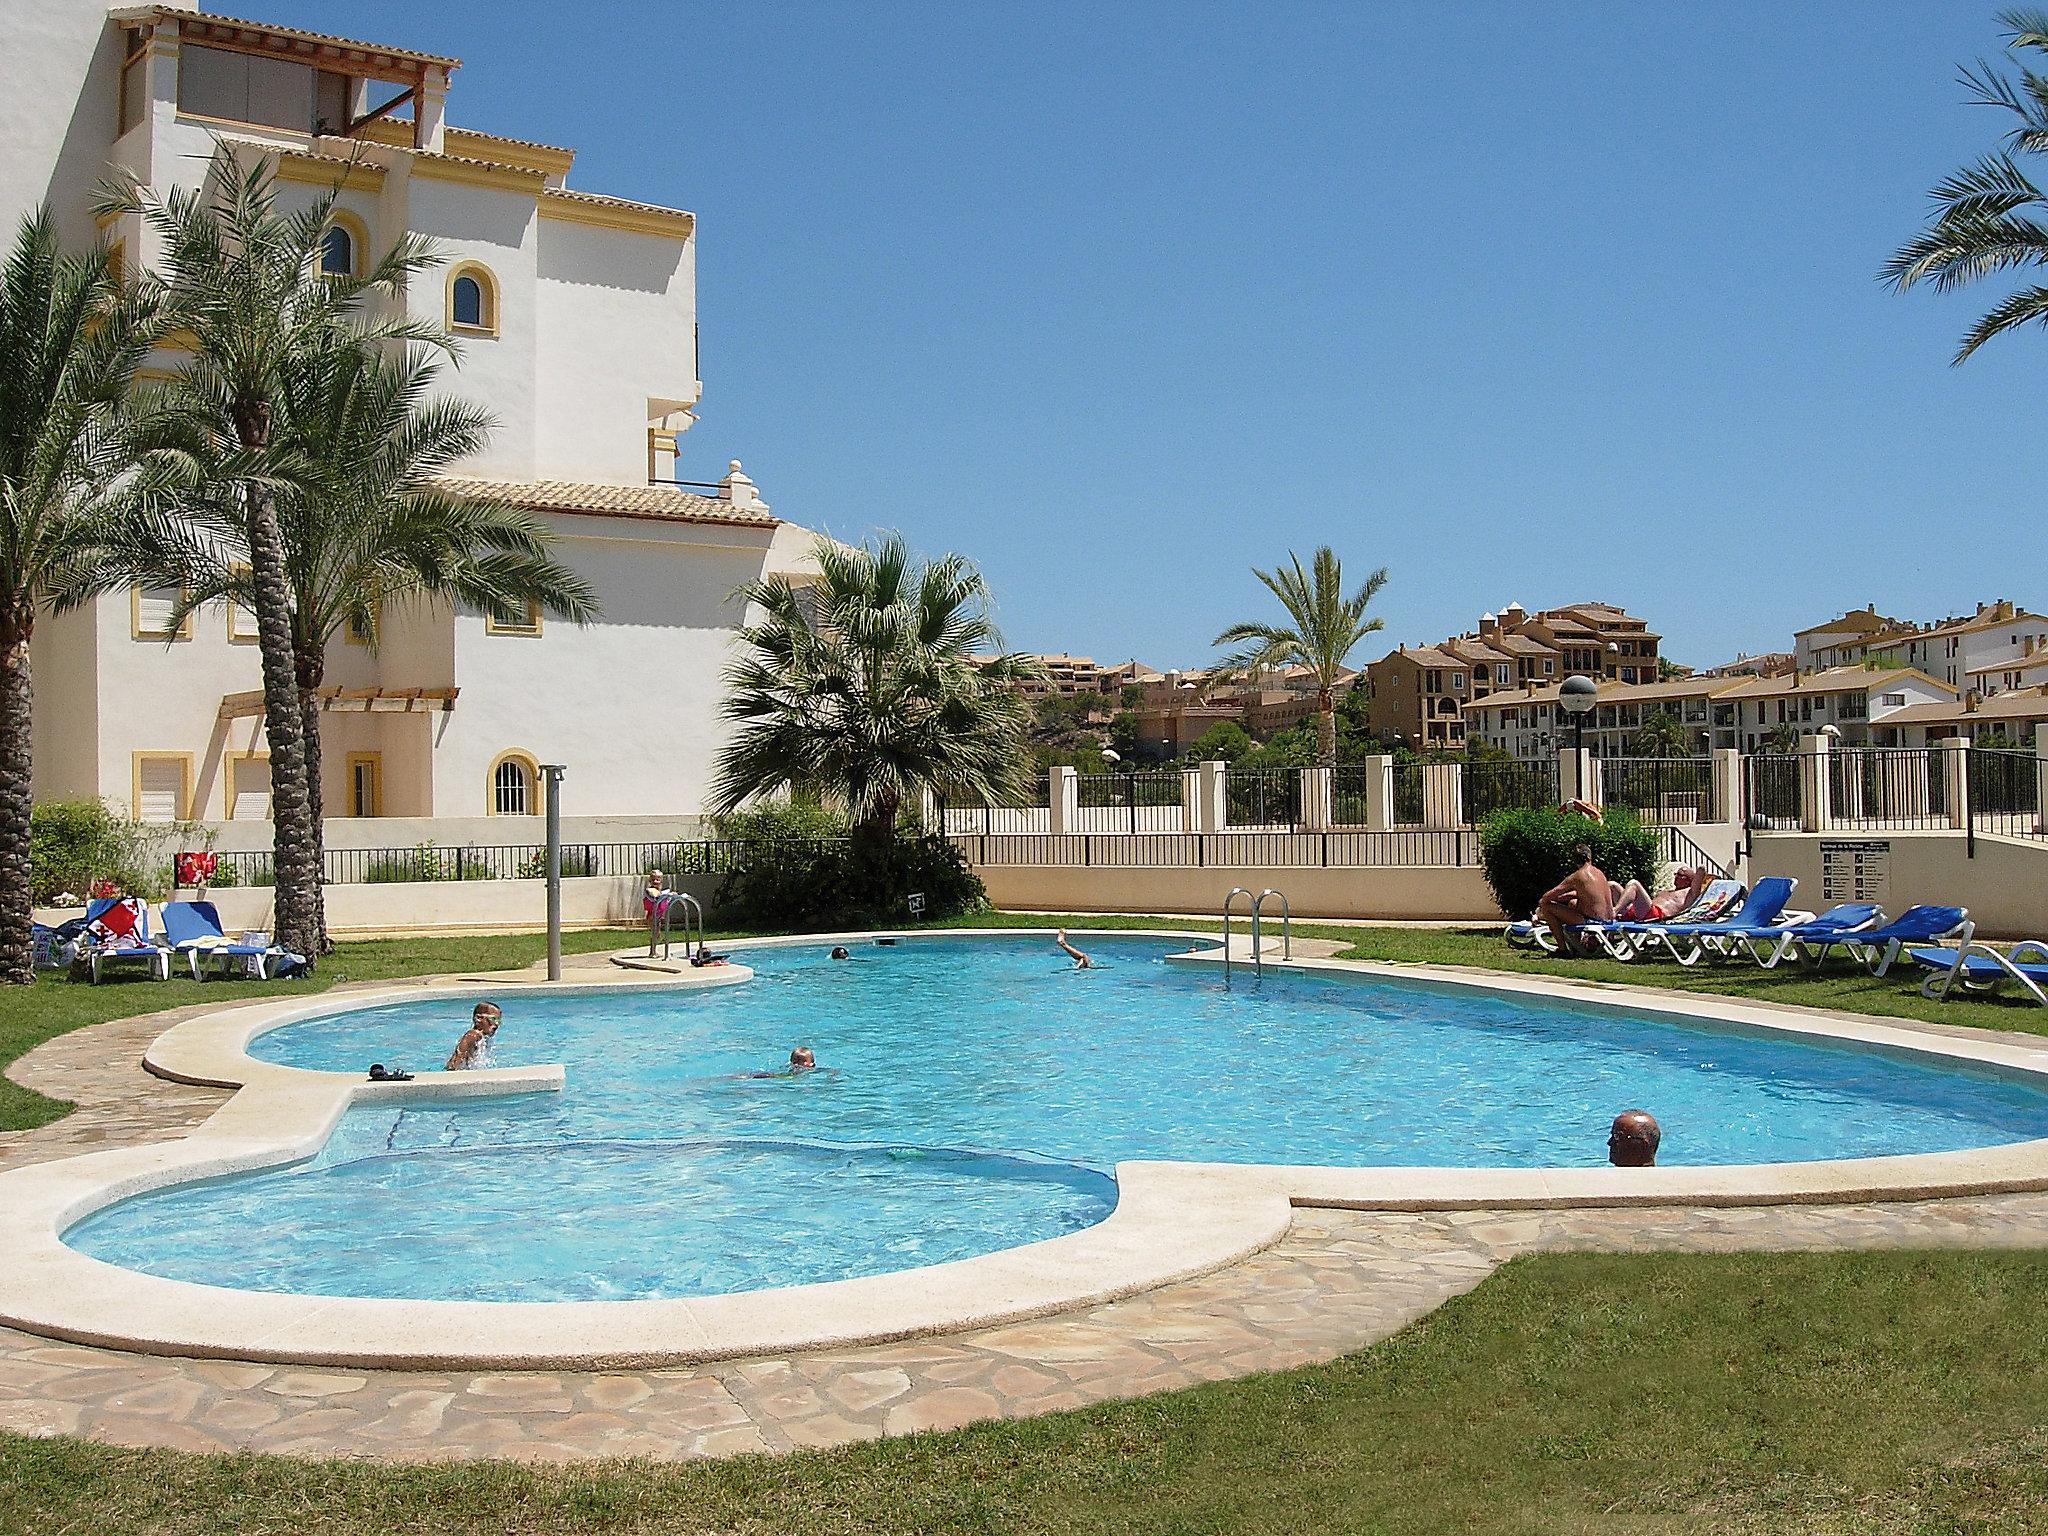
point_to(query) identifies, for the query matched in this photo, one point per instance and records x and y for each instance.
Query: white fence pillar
(2041, 778)
(1063, 795)
(1575, 777)
(1951, 761)
(1813, 783)
(1209, 800)
(1379, 793)
(1315, 799)
(1726, 782)
(929, 815)
(1443, 795)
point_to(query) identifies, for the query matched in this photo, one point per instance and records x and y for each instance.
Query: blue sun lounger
(1981, 969)
(1761, 915)
(1879, 947)
(1838, 921)
(193, 930)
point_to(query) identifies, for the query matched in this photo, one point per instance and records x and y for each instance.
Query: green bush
(774, 819)
(1526, 852)
(73, 843)
(846, 882)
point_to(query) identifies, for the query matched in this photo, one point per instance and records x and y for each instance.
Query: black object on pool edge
(885, 941)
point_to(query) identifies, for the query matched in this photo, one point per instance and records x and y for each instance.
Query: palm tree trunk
(1326, 728)
(17, 699)
(310, 665)
(291, 811)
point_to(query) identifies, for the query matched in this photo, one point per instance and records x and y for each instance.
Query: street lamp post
(1576, 697)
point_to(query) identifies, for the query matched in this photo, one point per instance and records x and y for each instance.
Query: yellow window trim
(227, 788)
(137, 632)
(487, 282)
(376, 762)
(184, 762)
(358, 240)
(532, 766)
(529, 629)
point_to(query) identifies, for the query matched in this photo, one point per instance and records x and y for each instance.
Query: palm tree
(1325, 627)
(242, 281)
(864, 689)
(1662, 734)
(1986, 215)
(68, 353)
(356, 446)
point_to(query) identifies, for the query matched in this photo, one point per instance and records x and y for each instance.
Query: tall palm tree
(242, 280)
(68, 354)
(864, 689)
(1988, 216)
(1324, 628)
(356, 447)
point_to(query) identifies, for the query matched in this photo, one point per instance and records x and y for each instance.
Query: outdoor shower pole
(551, 776)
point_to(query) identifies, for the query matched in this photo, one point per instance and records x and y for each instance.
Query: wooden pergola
(361, 701)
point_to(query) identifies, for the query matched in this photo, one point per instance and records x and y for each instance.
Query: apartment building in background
(575, 313)
(1990, 649)
(1420, 693)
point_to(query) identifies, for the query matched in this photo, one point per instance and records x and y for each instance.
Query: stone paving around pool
(1339, 1280)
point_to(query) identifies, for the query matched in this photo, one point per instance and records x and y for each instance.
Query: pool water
(972, 1094)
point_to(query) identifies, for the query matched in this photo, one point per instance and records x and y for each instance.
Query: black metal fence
(2005, 793)
(1770, 792)
(1902, 788)
(1128, 802)
(1499, 784)
(1263, 799)
(1661, 790)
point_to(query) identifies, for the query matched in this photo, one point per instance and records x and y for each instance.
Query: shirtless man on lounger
(1634, 903)
(1585, 895)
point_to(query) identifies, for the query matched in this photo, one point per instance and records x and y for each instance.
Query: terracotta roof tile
(655, 501)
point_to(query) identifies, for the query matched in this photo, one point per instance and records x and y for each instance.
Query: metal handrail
(1229, 901)
(1286, 924)
(661, 924)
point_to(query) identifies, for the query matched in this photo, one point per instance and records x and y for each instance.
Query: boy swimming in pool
(473, 1051)
(800, 1061)
(1081, 961)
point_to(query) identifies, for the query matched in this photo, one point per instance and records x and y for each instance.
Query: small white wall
(2005, 886)
(1417, 894)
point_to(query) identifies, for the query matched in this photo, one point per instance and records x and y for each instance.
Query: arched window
(472, 300)
(343, 244)
(337, 253)
(512, 785)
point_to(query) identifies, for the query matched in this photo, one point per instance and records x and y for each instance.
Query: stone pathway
(1338, 1281)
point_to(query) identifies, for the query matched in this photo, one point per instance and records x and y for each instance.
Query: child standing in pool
(473, 1051)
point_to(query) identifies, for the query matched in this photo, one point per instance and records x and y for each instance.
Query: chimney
(1971, 700)
(739, 490)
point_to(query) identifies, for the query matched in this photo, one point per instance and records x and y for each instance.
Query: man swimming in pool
(1081, 961)
(473, 1051)
(800, 1061)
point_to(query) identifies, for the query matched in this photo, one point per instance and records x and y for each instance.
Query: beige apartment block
(576, 318)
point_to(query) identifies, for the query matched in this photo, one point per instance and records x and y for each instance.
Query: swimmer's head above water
(801, 1059)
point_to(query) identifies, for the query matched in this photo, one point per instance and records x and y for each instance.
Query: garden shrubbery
(74, 844)
(1526, 852)
(798, 867)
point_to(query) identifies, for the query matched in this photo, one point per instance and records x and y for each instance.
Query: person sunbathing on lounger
(1634, 903)
(1585, 895)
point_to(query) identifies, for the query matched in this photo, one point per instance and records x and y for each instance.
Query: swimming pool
(973, 1094)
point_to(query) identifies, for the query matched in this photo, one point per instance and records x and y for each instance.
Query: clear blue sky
(1525, 304)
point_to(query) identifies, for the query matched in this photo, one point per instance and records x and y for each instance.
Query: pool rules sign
(1854, 871)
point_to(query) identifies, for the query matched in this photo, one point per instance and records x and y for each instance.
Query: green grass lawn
(1865, 1393)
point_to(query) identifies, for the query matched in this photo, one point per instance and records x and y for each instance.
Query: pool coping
(1172, 1220)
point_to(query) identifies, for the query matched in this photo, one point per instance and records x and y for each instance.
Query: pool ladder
(1257, 905)
(661, 924)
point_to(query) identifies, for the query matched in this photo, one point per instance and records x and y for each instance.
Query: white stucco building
(576, 319)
